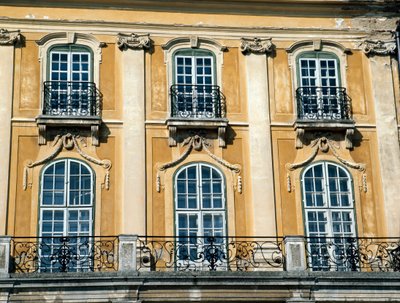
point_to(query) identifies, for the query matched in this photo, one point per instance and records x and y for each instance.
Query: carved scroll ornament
(378, 47)
(198, 143)
(323, 144)
(9, 37)
(133, 41)
(69, 142)
(256, 45)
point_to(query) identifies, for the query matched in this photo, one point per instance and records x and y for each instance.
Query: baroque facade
(207, 151)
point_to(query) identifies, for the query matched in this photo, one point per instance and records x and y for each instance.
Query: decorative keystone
(295, 253)
(378, 47)
(256, 45)
(133, 41)
(9, 37)
(127, 253)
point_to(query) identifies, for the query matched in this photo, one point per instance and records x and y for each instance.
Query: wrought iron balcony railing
(64, 254)
(71, 98)
(323, 103)
(353, 254)
(209, 253)
(197, 101)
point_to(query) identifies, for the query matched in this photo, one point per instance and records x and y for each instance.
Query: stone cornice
(133, 41)
(9, 37)
(285, 7)
(256, 45)
(378, 47)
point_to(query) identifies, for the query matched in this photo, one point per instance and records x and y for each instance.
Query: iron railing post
(127, 253)
(295, 253)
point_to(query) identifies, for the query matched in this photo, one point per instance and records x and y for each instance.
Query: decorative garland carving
(256, 45)
(9, 37)
(323, 144)
(199, 143)
(378, 47)
(69, 142)
(133, 41)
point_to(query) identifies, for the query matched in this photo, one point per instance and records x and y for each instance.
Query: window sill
(175, 124)
(45, 121)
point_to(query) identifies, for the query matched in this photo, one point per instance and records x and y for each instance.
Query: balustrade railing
(64, 254)
(71, 98)
(353, 254)
(197, 101)
(209, 253)
(141, 253)
(323, 103)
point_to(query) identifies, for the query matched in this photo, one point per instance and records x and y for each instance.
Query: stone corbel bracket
(10, 37)
(199, 143)
(348, 137)
(378, 47)
(133, 41)
(323, 144)
(256, 45)
(69, 142)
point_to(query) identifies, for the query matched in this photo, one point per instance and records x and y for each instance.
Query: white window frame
(193, 42)
(66, 208)
(199, 210)
(327, 209)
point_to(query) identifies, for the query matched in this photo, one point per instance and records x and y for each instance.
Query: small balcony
(71, 99)
(323, 108)
(323, 104)
(197, 107)
(70, 103)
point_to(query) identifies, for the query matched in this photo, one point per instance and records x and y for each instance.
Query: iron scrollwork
(209, 254)
(353, 254)
(64, 254)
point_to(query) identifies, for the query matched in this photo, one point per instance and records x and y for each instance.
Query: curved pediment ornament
(9, 37)
(256, 45)
(69, 141)
(378, 47)
(133, 41)
(323, 144)
(198, 143)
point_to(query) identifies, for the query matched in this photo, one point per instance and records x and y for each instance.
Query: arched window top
(67, 183)
(70, 48)
(317, 55)
(193, 52)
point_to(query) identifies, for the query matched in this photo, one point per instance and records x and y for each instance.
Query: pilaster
(261, 168)
(133, 94)
(7, 42)
(386, 128)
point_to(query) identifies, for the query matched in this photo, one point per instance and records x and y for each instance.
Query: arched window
(200, 211)
(319, 91)
(66, 213)
(329, 216)
(70, 89)
(194, 88)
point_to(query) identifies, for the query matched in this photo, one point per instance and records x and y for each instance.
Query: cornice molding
(260, 7)
(256, 45)
(9, 37)
(378, 47)
(133, 41)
